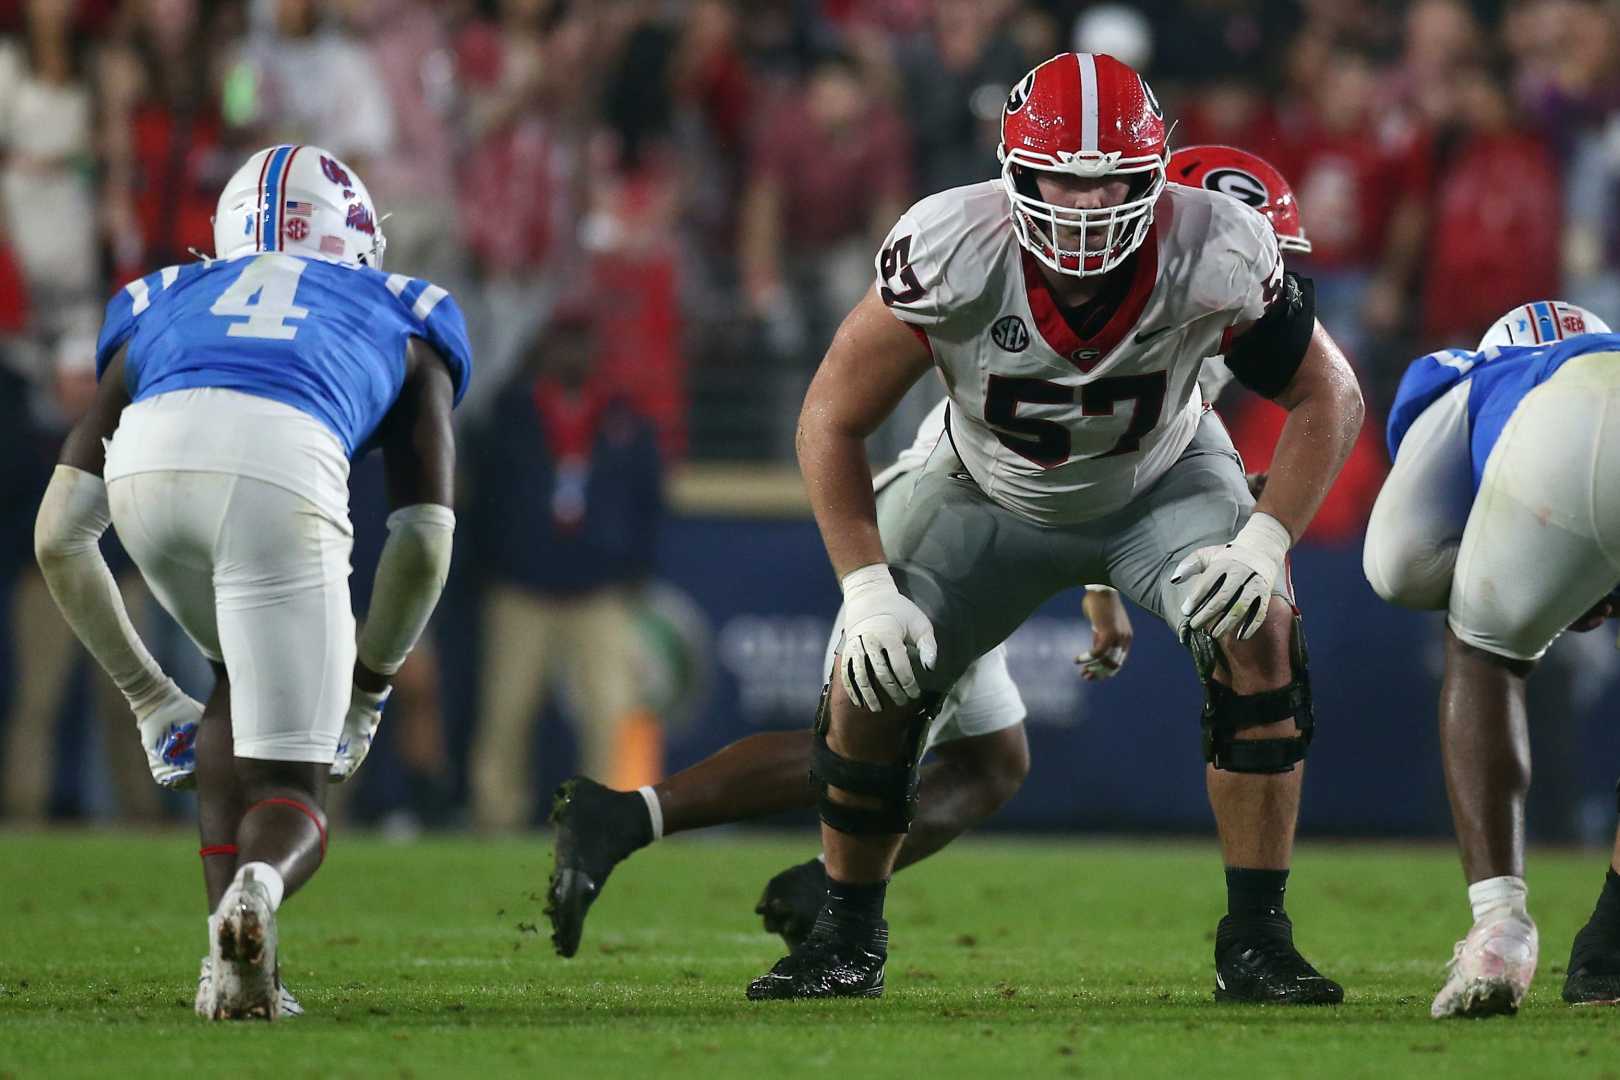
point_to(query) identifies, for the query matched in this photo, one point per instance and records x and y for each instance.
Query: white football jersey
(1052, 426)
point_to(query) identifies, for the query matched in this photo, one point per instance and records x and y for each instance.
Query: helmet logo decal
(297, 228)
(335, 172)
(1020, 93)
(1574, 322)
(360, 219)
(1010, 333)
(1153, 102)
(1241, 185)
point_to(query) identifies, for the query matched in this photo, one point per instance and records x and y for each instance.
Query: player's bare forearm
(840, 486)
(85, 447)
(873, 360)
(419, 458)
(418, 442)
(1324, 417)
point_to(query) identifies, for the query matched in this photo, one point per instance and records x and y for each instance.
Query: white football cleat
(1490, 969)
(290, 1005)
(242, 979)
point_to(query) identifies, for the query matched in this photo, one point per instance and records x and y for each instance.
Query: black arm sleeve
(1265, 358)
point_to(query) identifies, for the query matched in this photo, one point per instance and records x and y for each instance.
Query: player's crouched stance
(1502, 510)
(1070, 306)
(234, 393)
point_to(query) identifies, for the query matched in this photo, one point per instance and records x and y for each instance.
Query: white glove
(169, 736)
(1233, 581)
(359, 729)
(878, 625)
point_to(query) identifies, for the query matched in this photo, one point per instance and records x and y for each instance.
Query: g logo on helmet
(1242, 186)
(1153, 102)
(1020, 93)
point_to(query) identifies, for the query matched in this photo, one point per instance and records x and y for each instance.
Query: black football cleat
(597, 828)
(1594, 968)
(1256, 963)
(834, 961)
(792, 900)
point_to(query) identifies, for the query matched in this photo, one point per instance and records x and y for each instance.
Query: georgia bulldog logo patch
(1010, 333)
(1020, 93)
(1153, 102)
(1241, 185)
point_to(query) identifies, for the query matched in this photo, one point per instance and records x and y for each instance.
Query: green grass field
(1009, 957)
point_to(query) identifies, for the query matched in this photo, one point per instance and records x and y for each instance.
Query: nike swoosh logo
(1148, 335)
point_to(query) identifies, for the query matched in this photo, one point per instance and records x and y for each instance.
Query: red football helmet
(1248, 178)
(1084, 114)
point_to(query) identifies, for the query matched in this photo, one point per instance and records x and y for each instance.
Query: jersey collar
(1086, 353)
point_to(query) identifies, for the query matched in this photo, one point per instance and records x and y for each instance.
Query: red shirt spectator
(1232, 113)
(177, 161)
(1350, 169)
(1495, 240)
(13, 293)
(1349, 183)
(515, 182)
(831, 177)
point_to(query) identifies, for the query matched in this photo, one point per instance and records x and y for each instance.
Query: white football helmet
(1542, 322)
(302, 200)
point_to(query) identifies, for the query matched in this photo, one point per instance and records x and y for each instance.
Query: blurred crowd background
(654, 213)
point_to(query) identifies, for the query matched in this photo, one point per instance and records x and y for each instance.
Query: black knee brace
(893, 785)
(1226, 713)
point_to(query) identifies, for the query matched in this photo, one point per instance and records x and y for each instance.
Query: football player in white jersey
(793, 898)
(1069, 306)
(981, 756)
(1501, 510)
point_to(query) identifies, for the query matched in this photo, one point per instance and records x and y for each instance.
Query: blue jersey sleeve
(129, 304)
(119, 323)
(1425, 382)
(436, 318)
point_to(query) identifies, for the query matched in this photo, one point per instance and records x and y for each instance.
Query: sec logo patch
(297, 229)
(1010, 333)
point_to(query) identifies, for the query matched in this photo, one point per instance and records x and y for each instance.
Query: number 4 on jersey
(263, 293)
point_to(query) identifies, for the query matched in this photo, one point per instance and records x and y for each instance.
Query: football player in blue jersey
(233, 394)
(1502, 511)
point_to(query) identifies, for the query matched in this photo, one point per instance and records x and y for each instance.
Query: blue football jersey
(324, 338)
(1498, 377)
